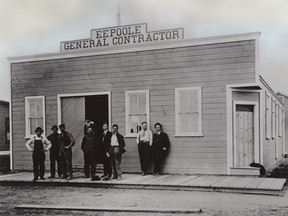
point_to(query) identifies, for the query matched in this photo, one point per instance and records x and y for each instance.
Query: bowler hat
(54, 127)
(38, 129)
(62, 126)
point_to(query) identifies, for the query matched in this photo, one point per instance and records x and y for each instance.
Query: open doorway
(74, 109)
(96, 110)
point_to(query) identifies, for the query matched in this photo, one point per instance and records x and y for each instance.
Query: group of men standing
(106, 148)
(60, 146)
(98, 148)
(151, 144)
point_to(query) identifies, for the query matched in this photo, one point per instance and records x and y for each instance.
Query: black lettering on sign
(92, 43)
(112, 31)
(105, 33)
(148, 38)
(114, 41)
(98, 43)
(137, 29)
(155, 36)
(175, 34)
(66, 46)
(129, 34)
(141, 38)
(105, 43)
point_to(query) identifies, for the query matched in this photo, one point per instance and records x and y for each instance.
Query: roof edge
(262, 80)
(4, 102)
(138, 47)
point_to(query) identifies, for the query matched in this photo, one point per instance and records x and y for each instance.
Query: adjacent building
(4, 136)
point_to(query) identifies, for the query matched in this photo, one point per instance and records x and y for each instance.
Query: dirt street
(211, 203)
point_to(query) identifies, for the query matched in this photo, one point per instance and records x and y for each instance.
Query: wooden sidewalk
(233, 184)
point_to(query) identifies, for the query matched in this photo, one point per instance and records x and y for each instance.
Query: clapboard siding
(4, 113)
(159, 71)
(239, 46)
(270, 153)
(286, 125)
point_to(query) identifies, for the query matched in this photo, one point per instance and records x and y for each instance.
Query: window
(280, 121)
(268, 116)
(276, 120)
(35, 112)
(283, 124)
(137, 110)
(188, 102)
(273, 118)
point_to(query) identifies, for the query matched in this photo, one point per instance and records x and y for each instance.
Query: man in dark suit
(117, 145)
(159, 146)
(103, 152)
(89, 147)
(55, 152)
(66, 142)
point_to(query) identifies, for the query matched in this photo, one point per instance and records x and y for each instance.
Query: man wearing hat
(66, 141)
(54, 152)
(38, 144)
(89, 146)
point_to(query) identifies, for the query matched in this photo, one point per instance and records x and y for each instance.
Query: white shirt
(46, 143)
(145, 135)
(114, 140)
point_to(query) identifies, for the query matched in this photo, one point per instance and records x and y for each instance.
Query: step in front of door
(248, 171)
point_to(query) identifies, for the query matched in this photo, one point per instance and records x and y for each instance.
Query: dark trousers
(38, 164)
(157, 153)
(89, 163)
(116, 158)
(55, 157)
(144, 154)
(66, 161)
(107, 166)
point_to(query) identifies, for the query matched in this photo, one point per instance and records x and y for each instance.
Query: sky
(30, 27)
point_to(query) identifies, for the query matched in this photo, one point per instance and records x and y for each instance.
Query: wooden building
(219, 114)
(284, 98)
(4, 136)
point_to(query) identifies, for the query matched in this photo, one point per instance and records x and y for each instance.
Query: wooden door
(244, 135)
(73, 116)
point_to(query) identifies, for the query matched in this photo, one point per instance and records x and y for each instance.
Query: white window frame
(127, 110)
(28, 132)
(280, 131)
(276, 120)
(282, 123)
(268, 115)
(177, 109)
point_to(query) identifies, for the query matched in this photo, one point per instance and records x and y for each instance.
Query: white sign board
(122, 35)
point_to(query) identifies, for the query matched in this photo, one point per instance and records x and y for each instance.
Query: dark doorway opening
(96, 110)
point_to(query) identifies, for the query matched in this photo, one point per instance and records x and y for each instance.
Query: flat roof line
(138, 47)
